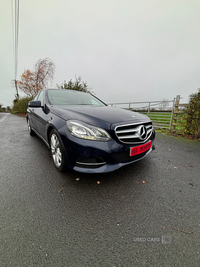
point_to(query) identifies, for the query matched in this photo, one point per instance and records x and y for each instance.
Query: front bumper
(99, 157)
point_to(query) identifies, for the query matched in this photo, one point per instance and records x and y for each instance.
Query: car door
(41, 116)
(31, 114)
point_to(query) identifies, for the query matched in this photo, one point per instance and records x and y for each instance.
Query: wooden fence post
(175, 110)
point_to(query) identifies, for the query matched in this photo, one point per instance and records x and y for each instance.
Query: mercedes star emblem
(142, 132)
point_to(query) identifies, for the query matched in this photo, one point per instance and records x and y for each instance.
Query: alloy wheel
(56, 150)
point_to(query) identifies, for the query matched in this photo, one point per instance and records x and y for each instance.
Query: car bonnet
(103, 116)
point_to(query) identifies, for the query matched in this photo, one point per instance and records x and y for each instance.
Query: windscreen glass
(67, 97)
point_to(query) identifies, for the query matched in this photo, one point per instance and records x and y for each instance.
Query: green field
(162, 120)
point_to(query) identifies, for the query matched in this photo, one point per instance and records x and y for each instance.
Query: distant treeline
(5, 109)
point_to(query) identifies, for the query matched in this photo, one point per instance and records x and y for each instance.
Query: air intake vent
(134, 133)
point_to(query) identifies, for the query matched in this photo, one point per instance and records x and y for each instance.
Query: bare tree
(33, 81)
(44, 71)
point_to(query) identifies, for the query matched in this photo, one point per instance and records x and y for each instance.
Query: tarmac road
(145, 214)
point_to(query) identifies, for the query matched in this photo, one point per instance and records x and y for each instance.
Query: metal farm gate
(160, 112)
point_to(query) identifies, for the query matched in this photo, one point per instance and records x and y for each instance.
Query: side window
(41, 97)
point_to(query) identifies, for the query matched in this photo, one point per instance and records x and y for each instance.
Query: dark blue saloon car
(85, 134)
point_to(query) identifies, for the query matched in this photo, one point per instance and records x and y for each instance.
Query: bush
(193, 116)
(78, 85)
(21, 105)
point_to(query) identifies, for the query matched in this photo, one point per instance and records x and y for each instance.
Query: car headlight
(86, 131)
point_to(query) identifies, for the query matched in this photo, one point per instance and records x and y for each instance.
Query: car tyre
(58, 152)
(31, 132)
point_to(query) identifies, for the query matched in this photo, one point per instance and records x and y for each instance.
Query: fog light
(90, 162)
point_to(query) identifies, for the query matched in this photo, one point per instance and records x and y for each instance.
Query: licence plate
(140, 149)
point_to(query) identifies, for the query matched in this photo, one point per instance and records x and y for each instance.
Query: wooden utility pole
(17, 95)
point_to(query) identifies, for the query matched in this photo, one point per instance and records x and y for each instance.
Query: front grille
(134, 133)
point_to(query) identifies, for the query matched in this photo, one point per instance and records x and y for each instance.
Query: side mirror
(34, 104)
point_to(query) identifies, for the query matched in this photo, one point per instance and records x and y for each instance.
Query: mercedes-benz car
(85, 134)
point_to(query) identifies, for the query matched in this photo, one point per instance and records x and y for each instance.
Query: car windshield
(69, 97)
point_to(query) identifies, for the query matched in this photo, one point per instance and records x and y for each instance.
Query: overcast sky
(126, 50)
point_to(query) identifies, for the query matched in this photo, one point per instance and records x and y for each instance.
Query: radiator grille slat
(134, 133)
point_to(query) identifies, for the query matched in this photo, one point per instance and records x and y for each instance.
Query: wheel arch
(50, 128)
